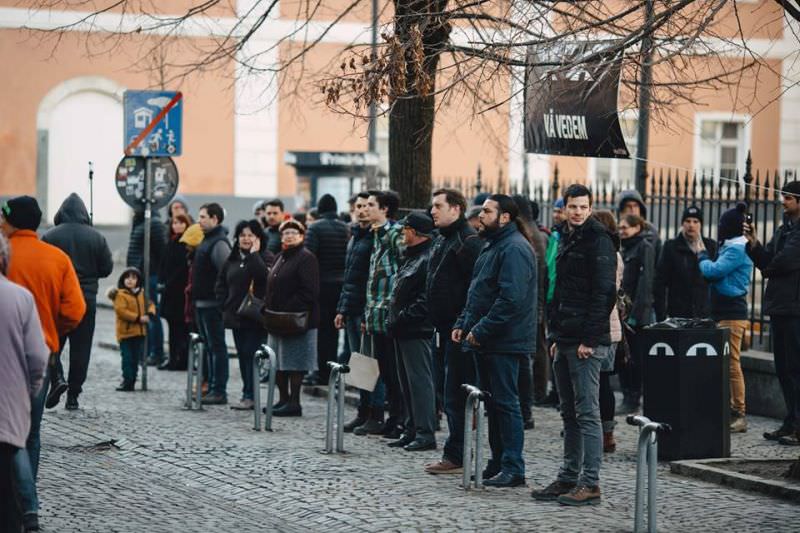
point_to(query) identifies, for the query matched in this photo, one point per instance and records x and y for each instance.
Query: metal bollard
(262, 354)
(335, 392)
(474, 407)
(647, 454)
(194, 373)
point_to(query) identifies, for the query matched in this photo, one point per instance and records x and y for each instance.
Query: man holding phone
(779, 262)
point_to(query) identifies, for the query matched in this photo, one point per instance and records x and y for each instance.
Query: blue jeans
(578, 382)
(459, 368)
(155, 331)
(499, 374)
(248, 341)
(131, 350)
(213, 332)
(26, 462)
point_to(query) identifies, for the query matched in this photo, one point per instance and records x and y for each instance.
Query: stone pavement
(175, 470)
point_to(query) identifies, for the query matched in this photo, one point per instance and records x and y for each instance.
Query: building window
(722, 148)
(382, 142)
(619, 171)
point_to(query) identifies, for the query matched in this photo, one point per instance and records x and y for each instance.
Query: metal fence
(668, 193)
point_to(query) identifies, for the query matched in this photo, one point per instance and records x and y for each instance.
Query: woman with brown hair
(293, 287)
(173, 275)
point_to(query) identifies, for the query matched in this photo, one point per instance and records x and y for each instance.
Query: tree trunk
(412, 115)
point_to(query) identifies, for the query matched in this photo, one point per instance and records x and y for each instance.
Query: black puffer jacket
(586, 286)
(158, 242)
(679, 288)
(354, 290)
(327, 239)
(85, 246)
(779, 262)
(408, 306)
(637, 278)
(453, 256)
(233, 284)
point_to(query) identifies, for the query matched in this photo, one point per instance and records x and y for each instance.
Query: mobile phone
(748, 218)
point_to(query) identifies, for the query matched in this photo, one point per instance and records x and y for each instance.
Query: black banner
(571, 104)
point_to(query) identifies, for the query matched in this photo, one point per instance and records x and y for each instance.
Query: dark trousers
(525, 387)
(786, 351)
(387, 364)
(630, 375)
(607, 403)
(459, 368)
(541, 366)
(327, 334)
(213, 331)
(248, 341)
(499, 374)
(178, 343)
(415, 374)
(155, 330)
(80, 348)
(10, 510)
(438, 370)
(131, 351)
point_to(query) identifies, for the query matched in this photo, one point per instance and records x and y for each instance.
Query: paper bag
(364, 372)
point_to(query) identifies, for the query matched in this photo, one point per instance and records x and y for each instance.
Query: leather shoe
(420, 445)
(288, 409)
(504, 480)
(782, 431)
(402, 441)
(72, 402)
(59, 387)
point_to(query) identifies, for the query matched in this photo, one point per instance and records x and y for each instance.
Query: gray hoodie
(85, 246)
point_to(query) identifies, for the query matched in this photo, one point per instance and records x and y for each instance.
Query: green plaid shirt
(383, 264)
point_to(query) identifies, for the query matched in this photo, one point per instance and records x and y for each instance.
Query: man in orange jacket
(48, 273)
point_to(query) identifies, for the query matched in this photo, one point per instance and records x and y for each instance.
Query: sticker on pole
(131, 175)
(153, 123)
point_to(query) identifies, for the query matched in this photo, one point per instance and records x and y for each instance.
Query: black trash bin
(686, 384)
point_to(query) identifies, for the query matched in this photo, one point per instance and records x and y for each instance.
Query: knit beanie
(731, 221)
(326, 204)
(23, 212)
(692, 212)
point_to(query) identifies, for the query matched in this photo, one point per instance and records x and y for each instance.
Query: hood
(177, 199)
(625, 196)
(193, 236)
(72, 210)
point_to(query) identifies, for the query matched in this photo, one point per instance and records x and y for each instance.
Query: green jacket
(550, 259)
(384, 262)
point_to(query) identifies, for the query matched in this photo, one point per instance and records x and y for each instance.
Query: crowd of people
(453, 294)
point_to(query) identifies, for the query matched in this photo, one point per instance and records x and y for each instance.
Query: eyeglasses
(290, 233)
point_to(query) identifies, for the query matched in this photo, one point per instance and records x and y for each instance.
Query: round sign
(130, 180)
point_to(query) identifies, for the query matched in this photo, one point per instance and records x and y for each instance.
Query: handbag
(285, 323)
(364, 371)
(251, 307)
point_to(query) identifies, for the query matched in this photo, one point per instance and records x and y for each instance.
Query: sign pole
(148, 214)
(91, 193)
(643, 133)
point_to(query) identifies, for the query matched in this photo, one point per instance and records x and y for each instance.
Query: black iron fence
(668, 193)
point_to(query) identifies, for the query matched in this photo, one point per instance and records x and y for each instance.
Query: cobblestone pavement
(176, 470)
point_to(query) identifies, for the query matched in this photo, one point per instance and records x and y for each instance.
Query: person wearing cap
(497, 323)
(730, 276)
(410, 327)
(48, 273)
(630, 202)
(779, 262)
(679, 288)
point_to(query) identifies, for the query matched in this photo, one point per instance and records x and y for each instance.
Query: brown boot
(581, 495)
(609, 444)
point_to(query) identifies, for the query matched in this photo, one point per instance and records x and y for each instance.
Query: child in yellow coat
(132, 319)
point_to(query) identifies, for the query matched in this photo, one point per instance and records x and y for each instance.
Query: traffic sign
(131, 180)
(153, 123)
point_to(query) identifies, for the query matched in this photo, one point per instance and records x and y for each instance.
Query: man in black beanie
(327, 239)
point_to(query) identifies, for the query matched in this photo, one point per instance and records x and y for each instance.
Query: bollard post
(647, 455)
(194, 376)
(194, 338)
(474, 407)
(265, 352)
(201, 355)
(335, 386)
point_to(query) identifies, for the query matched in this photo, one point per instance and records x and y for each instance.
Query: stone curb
(705, 469)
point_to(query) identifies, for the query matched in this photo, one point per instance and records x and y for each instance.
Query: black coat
(85, 246)
(293, 284)
(233, 284)
(679, 288)
(779, 262)
(408, 307)
(353, 298)
(158, 242)
(637, 277)
(327, 239)
(586, 286)
(174, 276)
(452, 260)
(209, 258)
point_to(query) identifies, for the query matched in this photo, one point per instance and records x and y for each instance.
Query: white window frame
(627, 114)
(743, 119)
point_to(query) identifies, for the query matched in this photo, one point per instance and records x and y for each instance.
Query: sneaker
(72, 402)
(445, 466)
(782, 431)
(609, 443)
(244, 405)
(370, 427)
(552, 491)
(214, 399)
(581, 495)
(738, 423)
